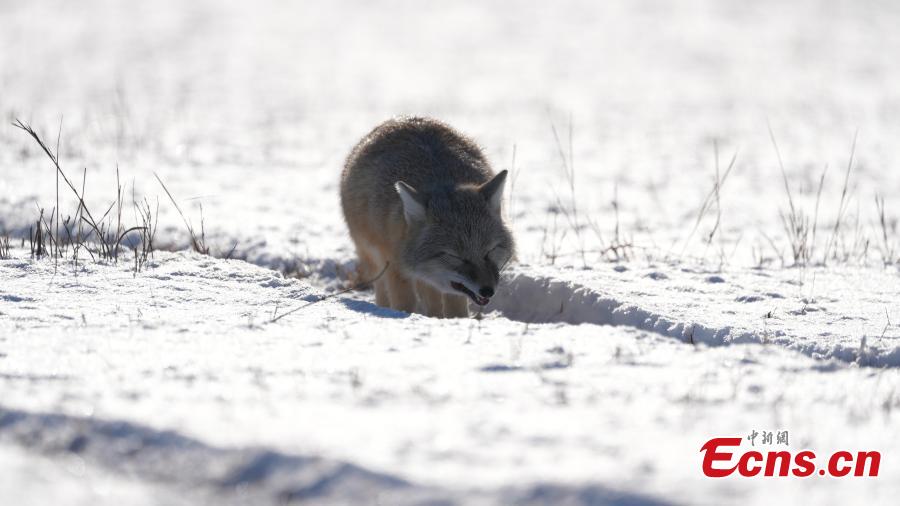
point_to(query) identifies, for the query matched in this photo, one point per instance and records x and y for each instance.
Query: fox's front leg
(381, 293)
(455, 306)
(430, 299)
(400, 291)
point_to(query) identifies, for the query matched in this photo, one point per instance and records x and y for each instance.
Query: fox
(424, 210)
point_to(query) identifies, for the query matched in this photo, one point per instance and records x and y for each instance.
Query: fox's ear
(492, 191)
(413, 207)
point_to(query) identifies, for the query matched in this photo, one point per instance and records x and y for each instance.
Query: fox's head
(457, 240)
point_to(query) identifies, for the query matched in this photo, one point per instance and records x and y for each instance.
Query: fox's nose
(486, 291)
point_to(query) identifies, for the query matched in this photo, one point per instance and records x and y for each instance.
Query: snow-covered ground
(587, 381)
(180, 376)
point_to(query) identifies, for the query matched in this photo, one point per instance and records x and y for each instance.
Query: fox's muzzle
(481, 300)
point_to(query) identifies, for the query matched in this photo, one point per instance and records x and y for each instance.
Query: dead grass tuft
(67, 238)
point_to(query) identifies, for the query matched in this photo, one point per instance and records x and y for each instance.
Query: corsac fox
(421, 199)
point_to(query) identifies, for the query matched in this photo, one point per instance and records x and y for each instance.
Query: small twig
(355, 286)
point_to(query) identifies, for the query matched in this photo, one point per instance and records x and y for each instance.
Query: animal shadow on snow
(369, 308)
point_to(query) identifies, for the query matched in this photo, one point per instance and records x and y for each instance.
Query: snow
(587, 381)
(460, 409)
(828, 317)
(34, 480)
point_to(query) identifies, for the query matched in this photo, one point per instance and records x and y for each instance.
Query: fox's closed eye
(451, 258)
(498, 255)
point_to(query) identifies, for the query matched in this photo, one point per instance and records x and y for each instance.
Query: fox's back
(422, 152)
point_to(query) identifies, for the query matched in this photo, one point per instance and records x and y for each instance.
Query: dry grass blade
(54, 158)
(568, 166)
(842, 206)
(812, 242)
(888, 228)
(199, 244)
(787, 186)
(712, 196)
(795, 223)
